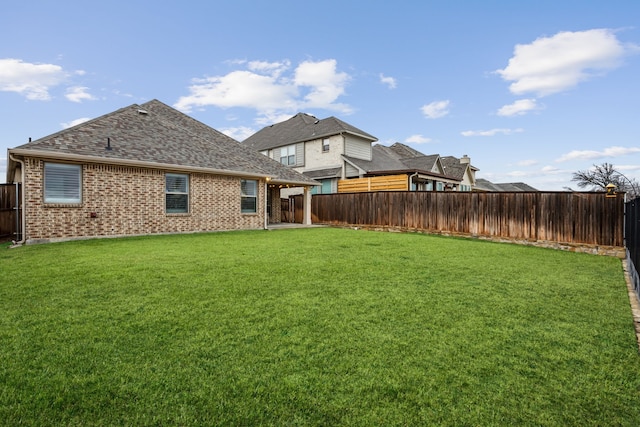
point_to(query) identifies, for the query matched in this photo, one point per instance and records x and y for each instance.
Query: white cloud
(389, 81)
(436, 109)
(551, 170)
(418, 139)
(272, 68)
(239, 89)
(491, 132)
(269, 118)
(592, 154)
(325, 83)
(238, 133)
(79, 94)
(529, 162)
(554, 64)
(516, 174)
(518, 108)
(30, 80)
(628, 168)
(272, 89)
(74, 122)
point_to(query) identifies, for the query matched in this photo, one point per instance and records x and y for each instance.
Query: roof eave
(328, 134)
(44, 154)
(294, 183)
(412, 171)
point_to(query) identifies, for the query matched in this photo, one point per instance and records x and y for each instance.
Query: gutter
(43, 154)
(411, 178)
(139, 163)
(22, 201)
(150, 165)
(266, 204)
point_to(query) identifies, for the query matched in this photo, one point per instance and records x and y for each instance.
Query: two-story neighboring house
(317, 148)
(343, 158)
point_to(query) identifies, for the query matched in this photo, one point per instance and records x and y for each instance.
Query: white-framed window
(325, 145)
(249, 196)
(176, 193)
(288, 155)
(62, 183)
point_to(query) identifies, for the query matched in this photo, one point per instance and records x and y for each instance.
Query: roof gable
(300, 128)
(454, 168)
(156, 134)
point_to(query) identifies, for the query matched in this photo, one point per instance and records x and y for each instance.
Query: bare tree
(600, 176)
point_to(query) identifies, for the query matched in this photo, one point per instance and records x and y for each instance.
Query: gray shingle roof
(154, 133)
(300, 128)
(453, 167)
(485, 185)
(324, 173)
(397, 157)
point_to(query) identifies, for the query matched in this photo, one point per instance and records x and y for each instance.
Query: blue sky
(532, 91)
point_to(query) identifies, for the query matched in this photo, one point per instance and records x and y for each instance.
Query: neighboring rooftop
(157, 135)
(485, 185)
(300, 128)
(400, 157)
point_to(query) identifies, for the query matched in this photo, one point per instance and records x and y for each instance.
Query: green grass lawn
(314, 327)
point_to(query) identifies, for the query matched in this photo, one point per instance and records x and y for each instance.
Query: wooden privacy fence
(566, 217)
(374, 183)
(292, 209)
(9, 215)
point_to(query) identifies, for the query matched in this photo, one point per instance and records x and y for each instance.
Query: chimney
(465, 160)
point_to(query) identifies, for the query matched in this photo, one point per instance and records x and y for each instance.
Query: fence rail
(568, 217)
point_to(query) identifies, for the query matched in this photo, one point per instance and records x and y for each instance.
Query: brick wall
(276, 205)
(118, 200)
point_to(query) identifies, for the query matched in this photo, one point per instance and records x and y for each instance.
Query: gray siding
(358, 148)
(351, 171)
(300, 154)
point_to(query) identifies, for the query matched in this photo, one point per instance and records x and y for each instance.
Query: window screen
(62, 183)
(177, 193)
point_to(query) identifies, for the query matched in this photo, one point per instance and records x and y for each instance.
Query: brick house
(145, 169)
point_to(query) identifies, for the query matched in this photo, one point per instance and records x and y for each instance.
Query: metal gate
(632, 241)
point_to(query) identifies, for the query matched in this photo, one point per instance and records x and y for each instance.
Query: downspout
(266, 203)
(411, 178)
(23, 201)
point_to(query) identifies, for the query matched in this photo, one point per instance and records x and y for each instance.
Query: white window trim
(51, 175)
(247, 196)
(167, 192)
(290, 151)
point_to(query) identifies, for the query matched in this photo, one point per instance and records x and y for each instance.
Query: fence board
(8, 211)
(568, 217)
(374, 183)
